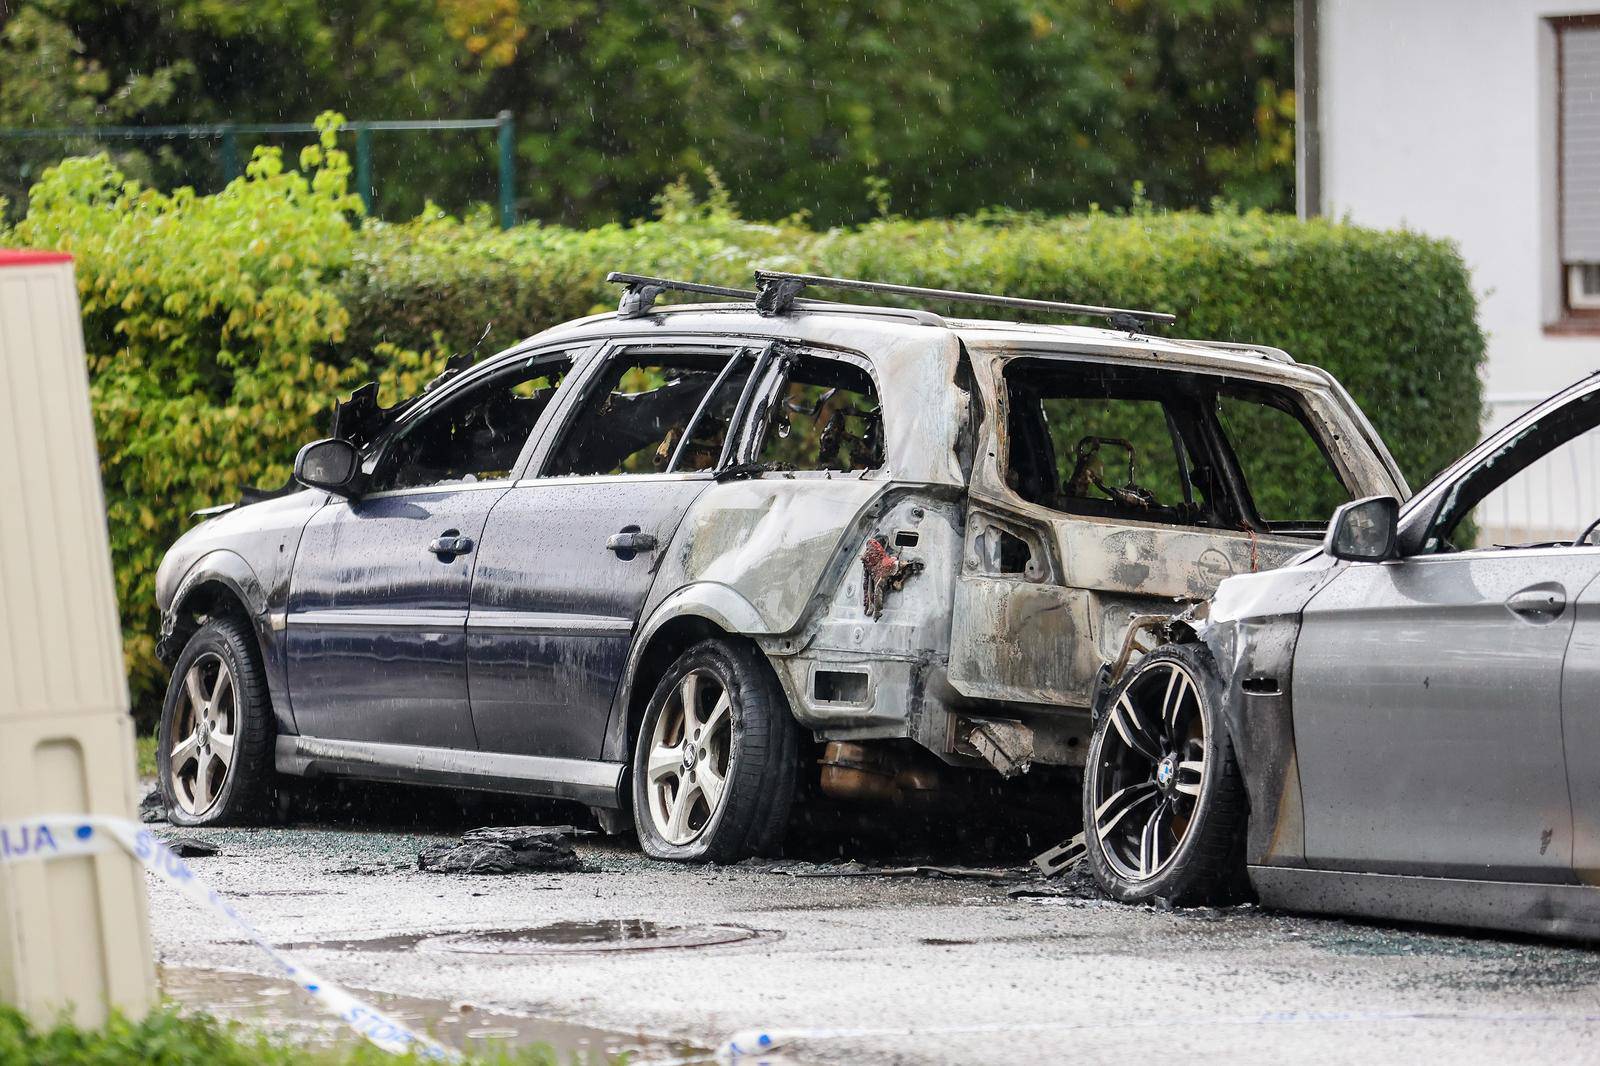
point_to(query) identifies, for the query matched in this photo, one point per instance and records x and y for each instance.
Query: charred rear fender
(691, 614)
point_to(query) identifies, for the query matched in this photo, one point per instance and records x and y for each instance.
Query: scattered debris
(1063, 874)
(152, 808)
(1007, 746)
(856, 869)
(370, 868)
(505, 850)
(190, 848)
(1062, 858)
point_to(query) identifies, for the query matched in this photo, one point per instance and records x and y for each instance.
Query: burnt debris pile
(505, 850)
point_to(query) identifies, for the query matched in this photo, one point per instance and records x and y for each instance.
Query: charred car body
(629, 560)
(1401, 725)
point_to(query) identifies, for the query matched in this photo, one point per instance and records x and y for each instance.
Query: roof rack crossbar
(778, 291)
(641, 291)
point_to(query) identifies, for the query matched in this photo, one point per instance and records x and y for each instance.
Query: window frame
(1232, 499)
(1570, 320)
(759, 417)
(1523, 447)
(373, 456)
(580, 386)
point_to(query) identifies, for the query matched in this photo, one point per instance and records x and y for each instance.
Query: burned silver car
(1404, 724)
(667, 560)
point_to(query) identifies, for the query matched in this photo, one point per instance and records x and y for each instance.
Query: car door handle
(1538, 604)
(629, 542)
(450, 544)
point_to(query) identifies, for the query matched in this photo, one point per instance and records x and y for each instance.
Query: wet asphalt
(841, 963)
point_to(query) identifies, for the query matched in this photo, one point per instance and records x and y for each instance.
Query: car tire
(1164, 805)
(214, 745)
(715, 784)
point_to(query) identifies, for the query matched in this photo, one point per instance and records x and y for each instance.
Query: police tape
(69, 836)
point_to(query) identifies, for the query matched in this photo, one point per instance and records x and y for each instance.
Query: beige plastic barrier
(73, 931)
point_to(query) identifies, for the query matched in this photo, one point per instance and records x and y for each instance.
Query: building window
(1578, 137)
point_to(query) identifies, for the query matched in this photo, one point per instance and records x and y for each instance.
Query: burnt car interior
(1164, 446)
(476, 436)
(641, 407)
(828, 419)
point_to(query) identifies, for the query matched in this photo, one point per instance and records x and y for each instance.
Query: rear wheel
(214, 747)
(715, 763)
(1163, 803)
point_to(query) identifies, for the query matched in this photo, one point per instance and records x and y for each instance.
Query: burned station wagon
(667, 560)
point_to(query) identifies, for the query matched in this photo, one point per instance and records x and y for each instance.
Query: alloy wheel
(687, 763)
(207, 721)
(1150, 772)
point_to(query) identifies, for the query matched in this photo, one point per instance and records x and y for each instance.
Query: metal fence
(227, 134)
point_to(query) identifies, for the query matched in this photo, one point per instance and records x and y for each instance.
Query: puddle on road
(557, 938)
(279, 1008)
(582, 938)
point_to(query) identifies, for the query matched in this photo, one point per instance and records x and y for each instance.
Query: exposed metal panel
(1580, 144)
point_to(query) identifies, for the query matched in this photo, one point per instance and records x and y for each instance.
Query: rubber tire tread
(247, 793)
(760, 793)
(1210, 867)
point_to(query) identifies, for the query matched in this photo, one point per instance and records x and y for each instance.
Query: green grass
(167, 1038)
(144, 754)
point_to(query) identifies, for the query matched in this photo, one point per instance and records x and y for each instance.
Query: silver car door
(1427, 714)
(1428, 689)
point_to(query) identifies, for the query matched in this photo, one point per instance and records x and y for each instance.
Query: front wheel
(1163, 804)
(214, 747)
(714, 766)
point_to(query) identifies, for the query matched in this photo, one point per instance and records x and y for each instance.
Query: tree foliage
(212, 327)
(833, 108)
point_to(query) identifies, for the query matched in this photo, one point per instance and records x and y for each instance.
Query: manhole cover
(567, 938)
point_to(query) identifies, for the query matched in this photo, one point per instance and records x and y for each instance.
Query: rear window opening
(826, 417)
(1165, 446)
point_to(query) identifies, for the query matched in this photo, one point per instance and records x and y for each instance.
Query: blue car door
(376, 627)
(570, 553)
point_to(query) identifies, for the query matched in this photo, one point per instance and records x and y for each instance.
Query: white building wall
(1440, 116)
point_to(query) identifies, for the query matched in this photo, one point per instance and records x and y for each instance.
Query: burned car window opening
(474, 436)
(1551, 455)
(1291, 479)
(650, 412)
(826, 416)
(1161, 446)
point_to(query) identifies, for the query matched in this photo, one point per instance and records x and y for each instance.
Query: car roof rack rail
(777, 292)
(642, 290)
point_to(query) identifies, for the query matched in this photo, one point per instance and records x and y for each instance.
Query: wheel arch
(690, 615)
(220, 582)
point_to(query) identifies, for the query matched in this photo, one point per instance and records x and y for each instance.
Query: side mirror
(331, 464)
(1364, 531)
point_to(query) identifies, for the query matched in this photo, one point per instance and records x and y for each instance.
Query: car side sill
(596, 783)
(1544, 909)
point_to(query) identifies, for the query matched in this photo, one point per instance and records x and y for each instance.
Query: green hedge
(222, 327)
